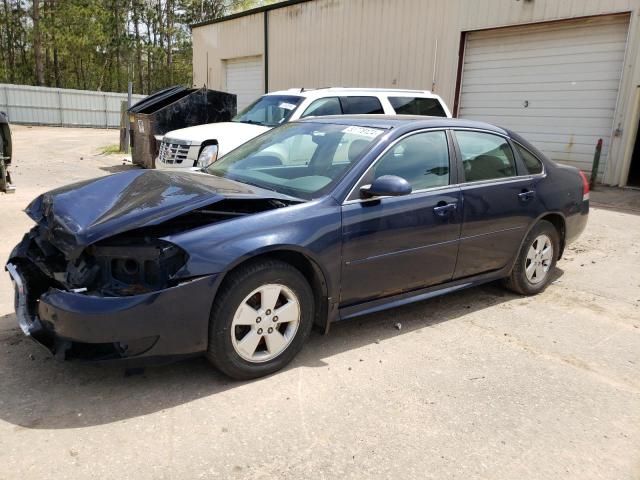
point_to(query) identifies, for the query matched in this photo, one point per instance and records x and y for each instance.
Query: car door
(397, 244)
(499, 202)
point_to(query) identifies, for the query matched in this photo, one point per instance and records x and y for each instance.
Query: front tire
(537, 258)
(260, 319)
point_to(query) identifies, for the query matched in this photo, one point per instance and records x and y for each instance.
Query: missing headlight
(129, 266)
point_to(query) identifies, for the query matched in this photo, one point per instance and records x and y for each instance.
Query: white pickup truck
(201, 145)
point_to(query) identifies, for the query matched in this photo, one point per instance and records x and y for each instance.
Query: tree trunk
(11, 54)
(37, 43)
(169, 32)
(136, 28)
(56, 64)
(116, 26)
(77, 71)
(52, 47)
(148, 20)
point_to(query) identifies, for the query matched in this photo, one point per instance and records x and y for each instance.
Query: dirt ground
(478, 384)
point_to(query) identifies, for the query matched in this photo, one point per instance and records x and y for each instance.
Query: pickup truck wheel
(537, 258)
(260, 319)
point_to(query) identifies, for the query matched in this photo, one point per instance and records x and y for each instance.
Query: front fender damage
(122, 296)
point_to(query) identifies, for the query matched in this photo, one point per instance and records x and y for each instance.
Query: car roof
(398, 121)
(350, 91)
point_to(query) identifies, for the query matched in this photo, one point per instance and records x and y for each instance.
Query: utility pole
(127, 121)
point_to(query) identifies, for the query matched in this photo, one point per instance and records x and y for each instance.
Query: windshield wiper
(252, 122)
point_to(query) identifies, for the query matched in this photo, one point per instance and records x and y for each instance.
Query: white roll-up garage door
(244, 78)
(556, 84)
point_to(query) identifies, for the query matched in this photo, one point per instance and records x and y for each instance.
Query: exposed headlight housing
(208, 155)
(126, 266)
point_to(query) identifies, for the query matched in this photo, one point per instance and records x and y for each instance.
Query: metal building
(564, 73)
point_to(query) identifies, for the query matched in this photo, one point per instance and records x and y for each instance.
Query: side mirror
(386, 186)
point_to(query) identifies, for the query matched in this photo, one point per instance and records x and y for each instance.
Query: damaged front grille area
(127, 266)
(120, 266)
(130, 263)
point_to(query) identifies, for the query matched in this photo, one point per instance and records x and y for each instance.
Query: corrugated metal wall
(62, 107)
(477, 14)
(396, 44)
(364, 43)
(212, 45)
(378, 43)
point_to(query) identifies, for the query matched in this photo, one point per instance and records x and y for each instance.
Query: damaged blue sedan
(312, 222)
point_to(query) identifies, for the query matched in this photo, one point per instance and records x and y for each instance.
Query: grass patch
(111, 150)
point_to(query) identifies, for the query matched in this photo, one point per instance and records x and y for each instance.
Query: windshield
(270, 110)
(303, 160)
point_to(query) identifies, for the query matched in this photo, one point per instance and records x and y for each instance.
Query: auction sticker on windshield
(363, 131)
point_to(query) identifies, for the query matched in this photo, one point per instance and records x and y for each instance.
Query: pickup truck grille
(173, 153)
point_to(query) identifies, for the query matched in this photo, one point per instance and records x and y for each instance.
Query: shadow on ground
(119, 168)
(623, 200)
(42, 393)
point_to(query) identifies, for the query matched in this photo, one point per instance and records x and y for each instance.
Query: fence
(62, 107)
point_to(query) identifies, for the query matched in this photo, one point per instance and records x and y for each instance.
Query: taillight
(585, 187)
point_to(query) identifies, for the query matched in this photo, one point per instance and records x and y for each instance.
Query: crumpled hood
(228, 134)
(83, 213)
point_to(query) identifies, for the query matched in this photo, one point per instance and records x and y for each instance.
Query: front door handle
(444, 209)
(527, 195)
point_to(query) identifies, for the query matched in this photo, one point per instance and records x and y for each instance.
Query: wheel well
(557, 221)
(312, 273)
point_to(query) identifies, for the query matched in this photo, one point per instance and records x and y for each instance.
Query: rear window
(534, 166)
(430, 107)
(361, 105)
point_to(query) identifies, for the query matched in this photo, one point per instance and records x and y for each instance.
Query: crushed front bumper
(166, 323)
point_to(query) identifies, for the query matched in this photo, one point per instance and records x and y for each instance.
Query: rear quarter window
(361, 106)
(533, 164)
(430, 107)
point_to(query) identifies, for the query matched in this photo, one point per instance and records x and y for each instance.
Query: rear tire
(260, 319)
(536, 260)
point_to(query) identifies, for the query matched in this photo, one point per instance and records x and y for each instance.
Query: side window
(421, 159)
(532, 163)
(485, 156)
(323, 106)
(361, 105)
(417, 106)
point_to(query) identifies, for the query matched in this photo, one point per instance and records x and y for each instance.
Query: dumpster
(170, 109)
(5, 154)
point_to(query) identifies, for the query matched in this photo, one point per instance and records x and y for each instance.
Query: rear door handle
(527, 195)
(444, 209)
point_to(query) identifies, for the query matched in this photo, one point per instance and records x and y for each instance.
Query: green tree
(102, 44)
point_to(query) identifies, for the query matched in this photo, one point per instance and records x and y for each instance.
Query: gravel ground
(478, 384)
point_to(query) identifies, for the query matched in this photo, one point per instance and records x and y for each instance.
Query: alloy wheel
(265, 323)
(539, 259)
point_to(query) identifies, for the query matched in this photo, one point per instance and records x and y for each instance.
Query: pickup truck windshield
(303, 160)
(269, 111)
